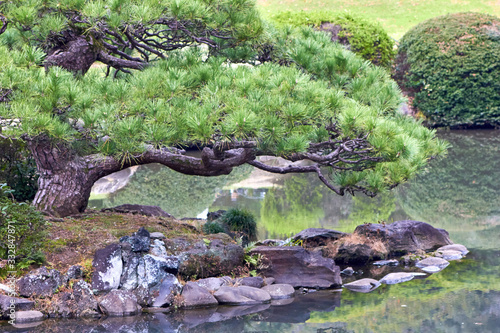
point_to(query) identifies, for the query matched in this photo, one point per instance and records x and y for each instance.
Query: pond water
(460, 193)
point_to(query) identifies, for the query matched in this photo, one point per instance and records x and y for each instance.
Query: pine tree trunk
(65, 180)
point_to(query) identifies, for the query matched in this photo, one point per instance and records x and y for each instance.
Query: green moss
(367, 39)
(450, 64)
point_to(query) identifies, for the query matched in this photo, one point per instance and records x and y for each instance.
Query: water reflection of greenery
(460, 193)
(462, 293)
(303, 202)
(178, 194)
(291, 208)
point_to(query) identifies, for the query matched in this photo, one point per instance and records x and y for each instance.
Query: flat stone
(280, 291)
(363, 285)
(394, 278)
(454, 247)
(432, 261)
(28, 316)
(391, 262)
(157, 235)
(20, 304)
(138, 209)
(431, 269)
(313, 237)
(119, 303)
(196, 296)
(242, 295)
(251, 281)
(212, 283)
(449, 254)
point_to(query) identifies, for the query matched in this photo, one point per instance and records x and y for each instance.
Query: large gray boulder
(195, 296)
(119, 303)
(402, 237)
(242, 295)
(108, 267)
(41, 283)
(299, 267)
(314, 237)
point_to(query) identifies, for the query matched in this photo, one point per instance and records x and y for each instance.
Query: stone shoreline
(141, 273)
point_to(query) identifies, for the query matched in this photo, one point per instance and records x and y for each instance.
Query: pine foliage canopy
(253, 88)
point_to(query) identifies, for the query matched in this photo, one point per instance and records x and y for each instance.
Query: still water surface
(460, 193)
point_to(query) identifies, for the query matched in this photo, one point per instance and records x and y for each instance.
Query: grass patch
(395, 16)
(74, 240)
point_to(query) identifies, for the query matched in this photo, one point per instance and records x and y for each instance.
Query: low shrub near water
(22, 231)
(367, 39)
(450, 64)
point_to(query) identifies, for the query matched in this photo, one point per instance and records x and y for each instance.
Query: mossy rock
(367, 39)
(450, 65)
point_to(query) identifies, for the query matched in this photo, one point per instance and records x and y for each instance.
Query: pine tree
(99, 86)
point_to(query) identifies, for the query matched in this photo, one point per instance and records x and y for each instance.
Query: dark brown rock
(139, 209)
(357, 254)
(298, 267)
(406, 236)
(314, 237)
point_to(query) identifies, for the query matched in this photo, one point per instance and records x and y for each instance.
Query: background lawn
(396, 17)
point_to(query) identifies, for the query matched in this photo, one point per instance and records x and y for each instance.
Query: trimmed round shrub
(367, 39)
(450, 65)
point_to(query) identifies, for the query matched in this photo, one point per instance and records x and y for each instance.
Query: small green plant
(212, 227)
(18, 169)
(22, 231)
(241, 222)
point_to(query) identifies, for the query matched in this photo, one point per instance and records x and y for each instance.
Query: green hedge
(366, 39)
(451, 66)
